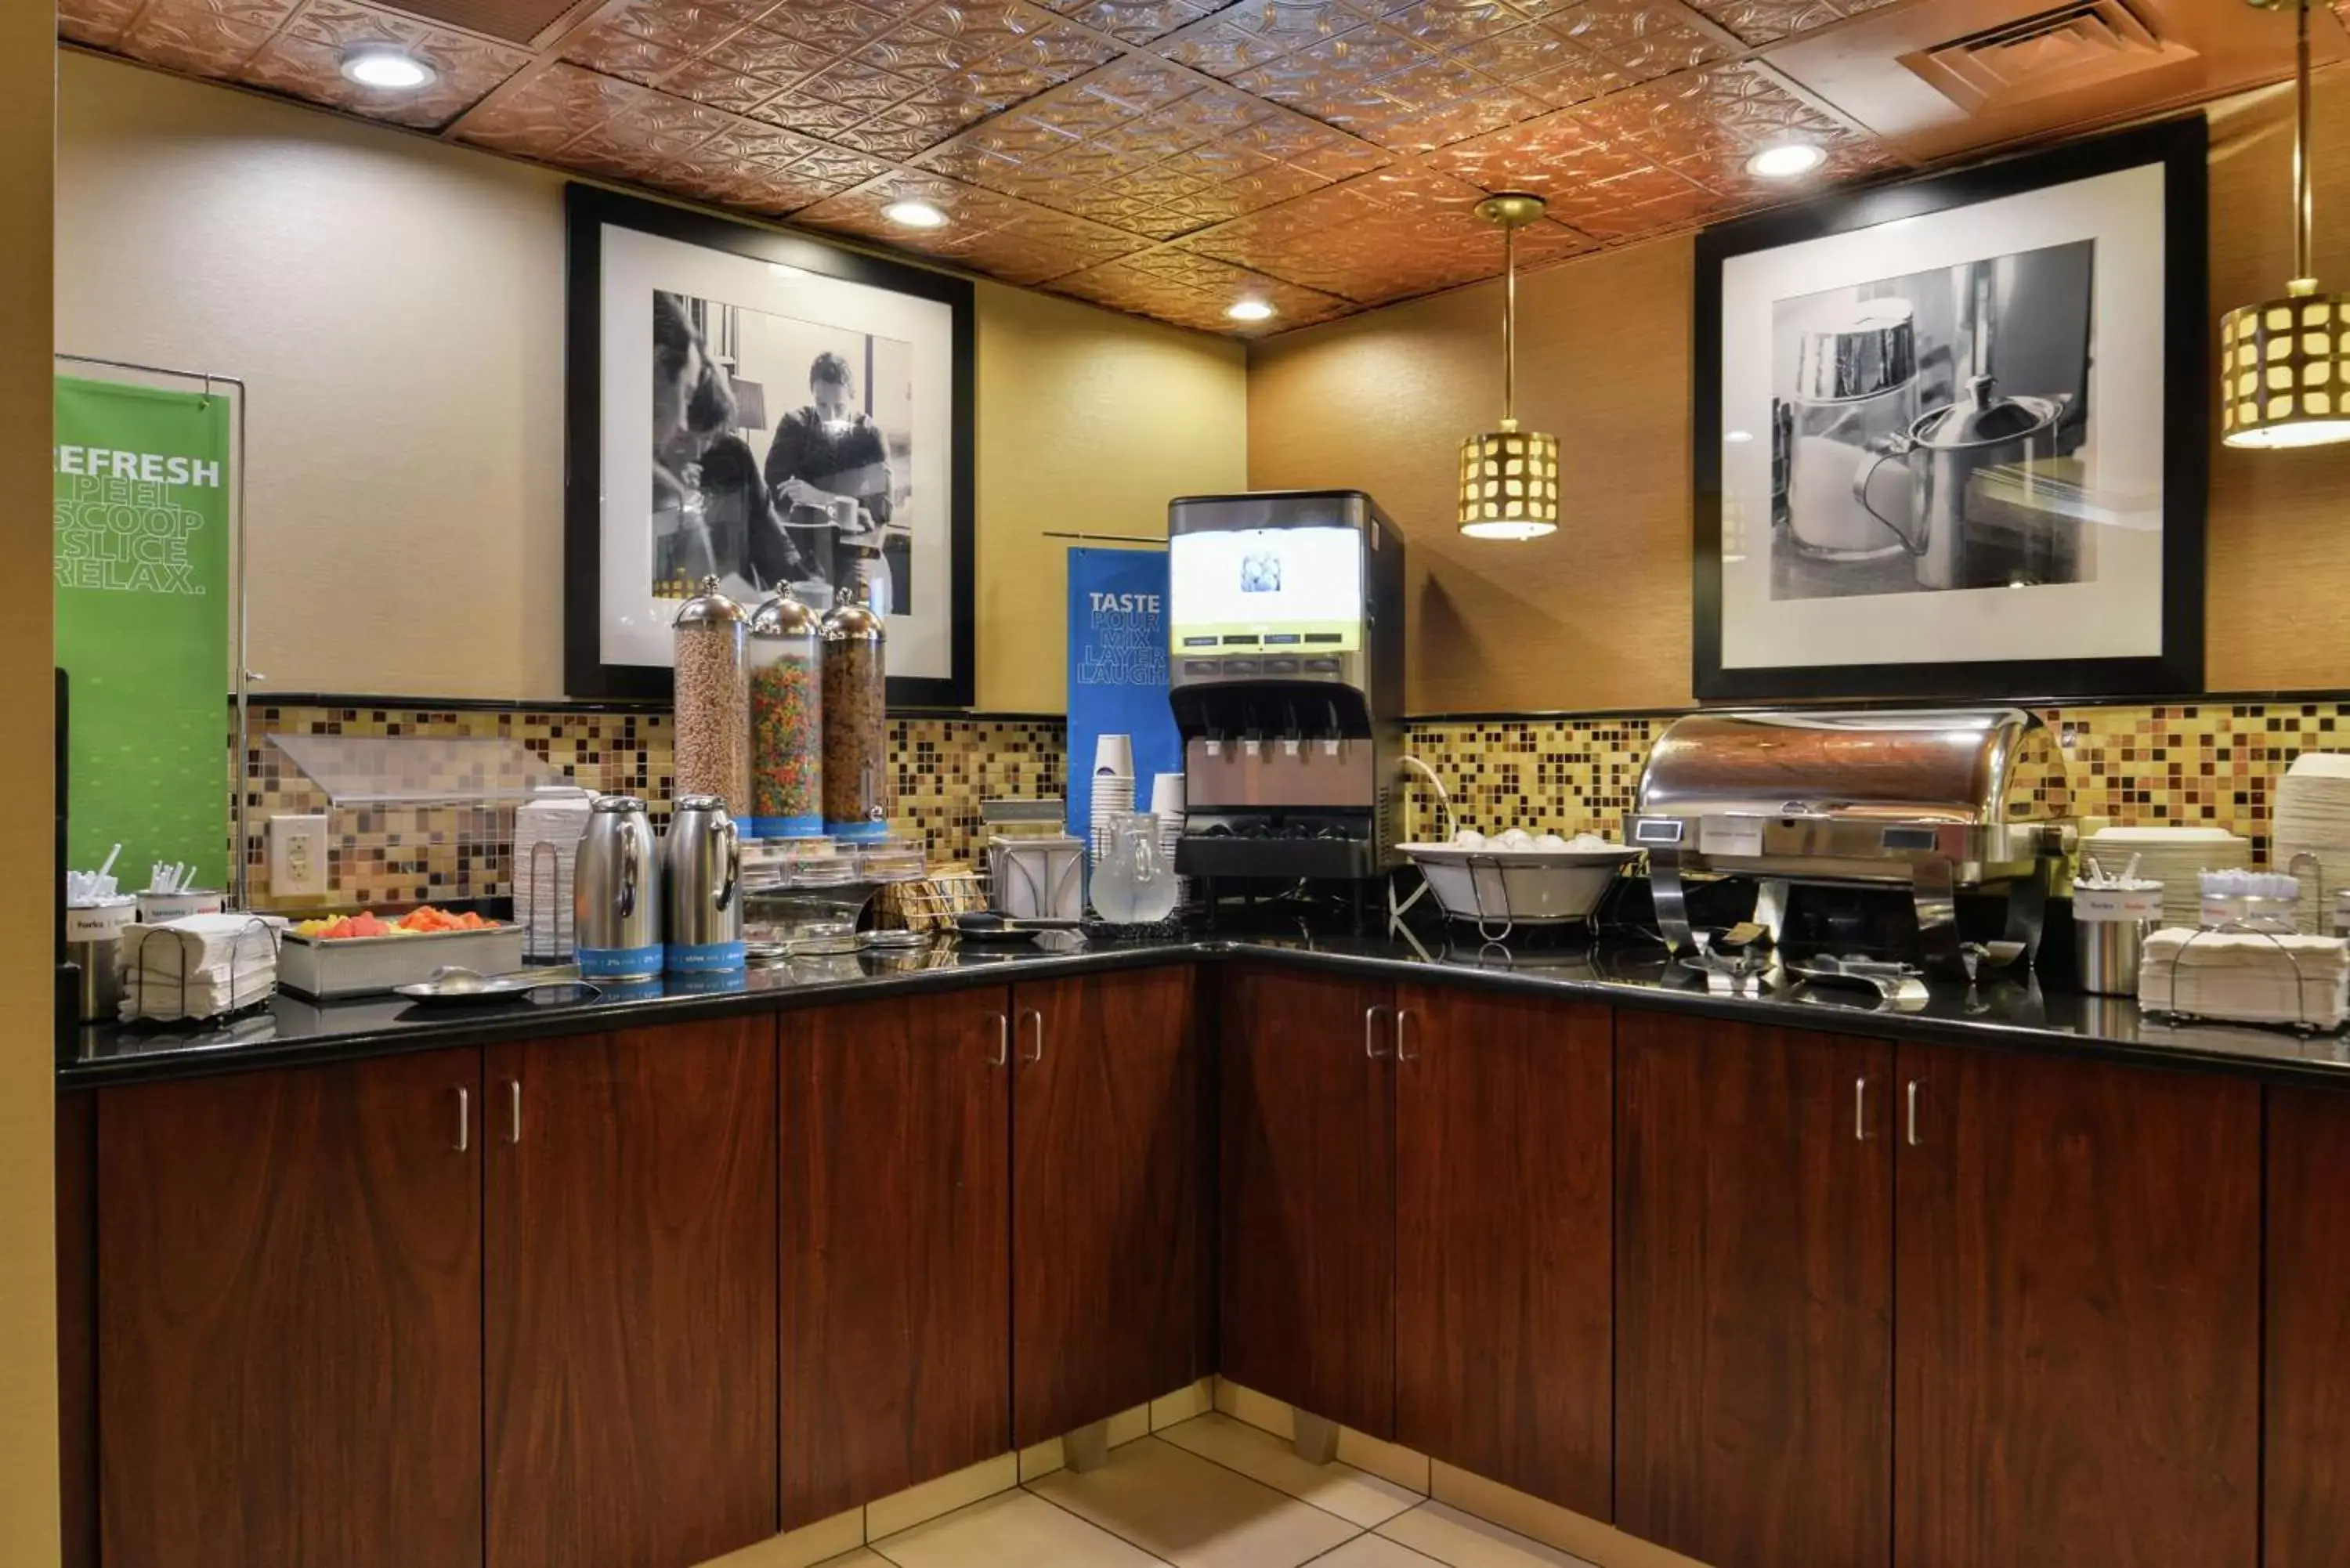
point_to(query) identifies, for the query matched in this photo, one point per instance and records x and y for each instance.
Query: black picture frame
(588, 211)
(2180, 146)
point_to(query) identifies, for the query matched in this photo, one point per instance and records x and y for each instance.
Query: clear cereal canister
(786, 720)
(855, 722)
(713, 700)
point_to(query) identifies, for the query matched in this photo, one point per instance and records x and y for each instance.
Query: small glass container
(713, 700)
(786, 720)
(855, 722)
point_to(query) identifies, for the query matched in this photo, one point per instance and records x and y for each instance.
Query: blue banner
(1118, 671)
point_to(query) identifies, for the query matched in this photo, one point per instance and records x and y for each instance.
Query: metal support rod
(2301, 205)
(1510, 323)
(239, 879)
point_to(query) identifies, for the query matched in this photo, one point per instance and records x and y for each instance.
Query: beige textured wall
(1088, 422)
(29, 1302)
(1598, 614)
(396, 307)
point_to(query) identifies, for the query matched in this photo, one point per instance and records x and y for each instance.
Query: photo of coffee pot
(1942, 453)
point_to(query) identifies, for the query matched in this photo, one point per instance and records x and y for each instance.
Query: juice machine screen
(1252, 589)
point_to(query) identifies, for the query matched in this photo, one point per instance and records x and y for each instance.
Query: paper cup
(1167, 796)
(1113, 755)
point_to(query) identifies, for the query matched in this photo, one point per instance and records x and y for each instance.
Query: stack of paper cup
(1113, 786)
(1167, 806)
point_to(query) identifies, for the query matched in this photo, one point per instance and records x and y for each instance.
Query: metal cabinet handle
(1003, 1041)
(1036, 1019)
(464, 1118)
(1913, 1114)
(514, 1110)
(1402, 1015)
(1370, 1030)
(1860, 1110)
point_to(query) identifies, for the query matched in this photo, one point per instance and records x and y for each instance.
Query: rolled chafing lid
(1971, 766)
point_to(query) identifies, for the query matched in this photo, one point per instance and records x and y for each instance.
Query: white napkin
(2247, 976)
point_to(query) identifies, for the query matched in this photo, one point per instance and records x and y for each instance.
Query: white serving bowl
(1517, 887)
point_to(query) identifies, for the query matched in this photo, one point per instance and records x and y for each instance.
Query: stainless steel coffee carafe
(616, 903)
(704, 876)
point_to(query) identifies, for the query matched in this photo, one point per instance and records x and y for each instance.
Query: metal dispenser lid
(699, 803)
(851, 619)
(1874, 349)
(610, 804)
(1982, 418)
(709, 605)
(785, 616)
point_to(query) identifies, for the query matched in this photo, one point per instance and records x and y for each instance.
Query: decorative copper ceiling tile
(305, 58)
(1724, 113)
(1767, 21)
(1400, 231)
(1641, 40)
(621, 54)
(1195, 291)
(97, 23)
(1155, 155)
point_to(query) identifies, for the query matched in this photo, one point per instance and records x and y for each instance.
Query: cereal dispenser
(713, 700)
(855, 722)
(786, 720)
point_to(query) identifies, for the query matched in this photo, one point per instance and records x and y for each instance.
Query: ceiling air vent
(2085, 44)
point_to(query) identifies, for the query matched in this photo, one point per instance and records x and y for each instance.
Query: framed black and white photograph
(1950, 435)
(771, 411)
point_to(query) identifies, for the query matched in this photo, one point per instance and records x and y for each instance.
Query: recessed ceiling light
(1787, 160)
(914, 215)
(386, 65)
(1249, 310)
(783, 272)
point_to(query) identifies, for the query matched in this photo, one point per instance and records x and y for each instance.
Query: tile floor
(1210, 1492)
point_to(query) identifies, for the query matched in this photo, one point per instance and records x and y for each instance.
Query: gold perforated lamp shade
(1509, 483)
(2281, 361)
(2284, 371)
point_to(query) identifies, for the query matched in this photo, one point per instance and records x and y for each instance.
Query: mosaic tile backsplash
(2192, 764)
(390, 856)
(2195, 763)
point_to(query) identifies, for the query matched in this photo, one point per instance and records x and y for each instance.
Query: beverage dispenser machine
(1285, 670)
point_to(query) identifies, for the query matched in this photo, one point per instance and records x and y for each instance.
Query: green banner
(143, 607)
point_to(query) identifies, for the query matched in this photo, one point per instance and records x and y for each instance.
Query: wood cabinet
(896, 1245)
(1307, 1204)
(2077, 1302)
(1754, 1293)
(289, 1316)
(1107, 1127)
(631, 1308)
(1504, 1324)
(2306, 1513)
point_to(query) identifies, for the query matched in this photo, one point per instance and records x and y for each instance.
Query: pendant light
(2284, 364)
(1509, 477)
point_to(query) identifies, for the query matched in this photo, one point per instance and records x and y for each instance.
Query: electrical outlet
(298, 857)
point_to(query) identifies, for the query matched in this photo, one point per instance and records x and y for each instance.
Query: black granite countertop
(2004, 1015)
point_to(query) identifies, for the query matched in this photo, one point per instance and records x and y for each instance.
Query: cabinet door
(1107, 1127)
(1754, 1293)
(289, 1339)
(896, 1246)
(1504, 1343)
(1308, 1280)
(2076, 1302)
(632, 1318)
(2307, 1512)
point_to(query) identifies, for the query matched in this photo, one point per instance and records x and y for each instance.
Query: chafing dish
(1938, 801)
